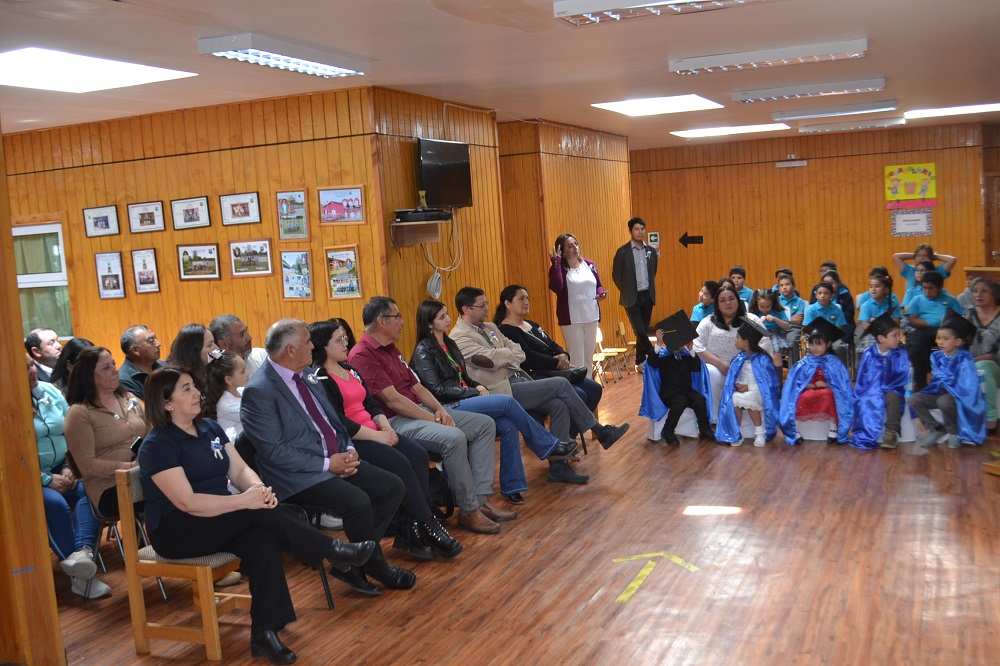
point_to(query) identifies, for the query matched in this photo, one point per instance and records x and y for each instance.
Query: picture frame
(341, 271)
(250, 258)
(296, 276)
(293, 219)
(190, 213)
(143, 217)
(101, 221)
(240, 208)
(110, 282)
(145, 271)
(342, 205)
(199, 262)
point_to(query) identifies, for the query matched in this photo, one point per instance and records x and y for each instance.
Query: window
(42, 283)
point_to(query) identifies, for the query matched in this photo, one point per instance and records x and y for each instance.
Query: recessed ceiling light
(835, 111)
(792, 55)
(44, 69)
(651, 106)
(724, 131)
(811, 90)
(852, 125)
(951, 111)
(280, 54)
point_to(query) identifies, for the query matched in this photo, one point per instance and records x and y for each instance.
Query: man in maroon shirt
(464, 440)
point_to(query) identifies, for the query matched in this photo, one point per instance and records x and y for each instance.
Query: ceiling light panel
(590, 12)
(852, 125)
(653, 106)
(277, 53)
(951, 111)
(835, 111)
(792, 55)
(726, 131)
(43, 69)
(811, 90)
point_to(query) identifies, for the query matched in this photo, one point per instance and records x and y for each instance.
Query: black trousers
(407, 460)
(259, 538)
(365, 501)
(678, 402)
(639, 315)
(918, 348)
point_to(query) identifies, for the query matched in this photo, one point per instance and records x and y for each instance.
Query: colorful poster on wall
(910, 186)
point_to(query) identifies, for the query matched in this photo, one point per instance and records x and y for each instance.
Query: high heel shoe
(267, 644)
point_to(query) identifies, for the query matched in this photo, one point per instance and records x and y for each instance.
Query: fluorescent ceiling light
(835, 111)
(792, 55)
(852, 125)
(725, 131)
(271, 52)
(589, 12)
(811, 90)
(951, 111)
(652, 106)
(43, 69)
(695, 510)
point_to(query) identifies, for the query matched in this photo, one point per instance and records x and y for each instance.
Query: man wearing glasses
(464, 440)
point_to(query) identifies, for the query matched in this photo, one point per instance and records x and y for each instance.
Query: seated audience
(142, 355)
(191, 350)
(376, 441)
(231, 334)
(186, 464)
(72, 528)
(925, 313)
(72, 349)
(924, 252)
(226, 376)
(465, 441)
(305, 453)
(103, 422)
(985, 346)
(42, 345)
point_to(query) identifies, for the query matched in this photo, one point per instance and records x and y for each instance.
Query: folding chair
(623, 341)
(616, 354)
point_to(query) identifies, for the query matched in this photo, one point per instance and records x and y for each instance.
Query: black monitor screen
(445, 173)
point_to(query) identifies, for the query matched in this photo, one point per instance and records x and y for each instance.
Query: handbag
(574, 375)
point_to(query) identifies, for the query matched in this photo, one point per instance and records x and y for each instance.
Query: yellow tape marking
(636, 582)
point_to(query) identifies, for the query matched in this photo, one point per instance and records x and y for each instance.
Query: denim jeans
(511, 419)
(73, 528)
(591, 393)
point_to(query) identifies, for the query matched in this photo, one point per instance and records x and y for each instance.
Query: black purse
(574, 375)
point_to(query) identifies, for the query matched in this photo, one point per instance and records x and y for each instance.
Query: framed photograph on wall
(146, 217)
(292, 220)
(147, 277)
(110, 283)
(190, 213)
(341, 205)
(296, 278)
(240, 208)
(102, 221)
(249, 258)
(342, 271)
(199, 262)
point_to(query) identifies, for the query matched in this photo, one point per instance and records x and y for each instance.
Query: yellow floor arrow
(647, 569)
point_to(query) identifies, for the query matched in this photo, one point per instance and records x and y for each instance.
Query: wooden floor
(836, 556)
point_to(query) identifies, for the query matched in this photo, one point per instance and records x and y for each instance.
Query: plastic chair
(623, 341)
(203, 626)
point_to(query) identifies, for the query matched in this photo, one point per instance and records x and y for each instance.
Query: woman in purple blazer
(579, 290)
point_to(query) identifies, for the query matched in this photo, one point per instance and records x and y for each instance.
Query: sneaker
(738, 442)
(966, 442)
(954, 442)
(328, 522)
(80, 564)
(933, 437)
(889, 440)
(609, 434)
(759, 440)
(98, 588)
(230, 578)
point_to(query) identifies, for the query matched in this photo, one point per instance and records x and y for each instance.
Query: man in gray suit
(306, 455)
(634, 273)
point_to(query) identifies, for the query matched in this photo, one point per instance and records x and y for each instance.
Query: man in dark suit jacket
(634, 273)
(306, 455)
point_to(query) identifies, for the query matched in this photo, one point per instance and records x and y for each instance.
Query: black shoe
(355, 577)
(267, 644)
(831, 439)
(670, 438)
(513, 498)
(706, 433)
(394, 578)
(561, 472)
(608, 434)
(414, 543)
(562, 451)
(437, 537)
(343, 555)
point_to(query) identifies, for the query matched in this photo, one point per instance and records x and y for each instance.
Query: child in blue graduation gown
(878, 393)
(954, 389)
(820, 375)
(751, 384)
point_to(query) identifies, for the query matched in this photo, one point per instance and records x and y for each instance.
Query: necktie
(324, 427)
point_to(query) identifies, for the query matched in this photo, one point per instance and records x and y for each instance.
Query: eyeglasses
(341, 340)
(395, 316)
(481, 306)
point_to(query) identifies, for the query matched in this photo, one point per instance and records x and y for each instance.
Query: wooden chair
(203, 626)
(623, 341)
(616, 354)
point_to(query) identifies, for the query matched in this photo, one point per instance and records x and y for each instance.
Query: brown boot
(477, 522)
(496, 513)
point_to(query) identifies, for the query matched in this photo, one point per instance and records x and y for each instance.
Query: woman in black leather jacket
(441, 369)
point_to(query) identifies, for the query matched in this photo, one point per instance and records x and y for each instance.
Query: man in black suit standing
(634, 273)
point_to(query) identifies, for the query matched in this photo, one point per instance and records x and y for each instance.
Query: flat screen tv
(445, 173)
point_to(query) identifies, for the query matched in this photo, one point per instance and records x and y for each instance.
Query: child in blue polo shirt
(795, 308)
(924, 252)
(876, 270)
(738, 275)
(824, 308)
(706, 301)
(925, 313)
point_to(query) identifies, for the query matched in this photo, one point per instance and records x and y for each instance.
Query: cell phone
(135, 447)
